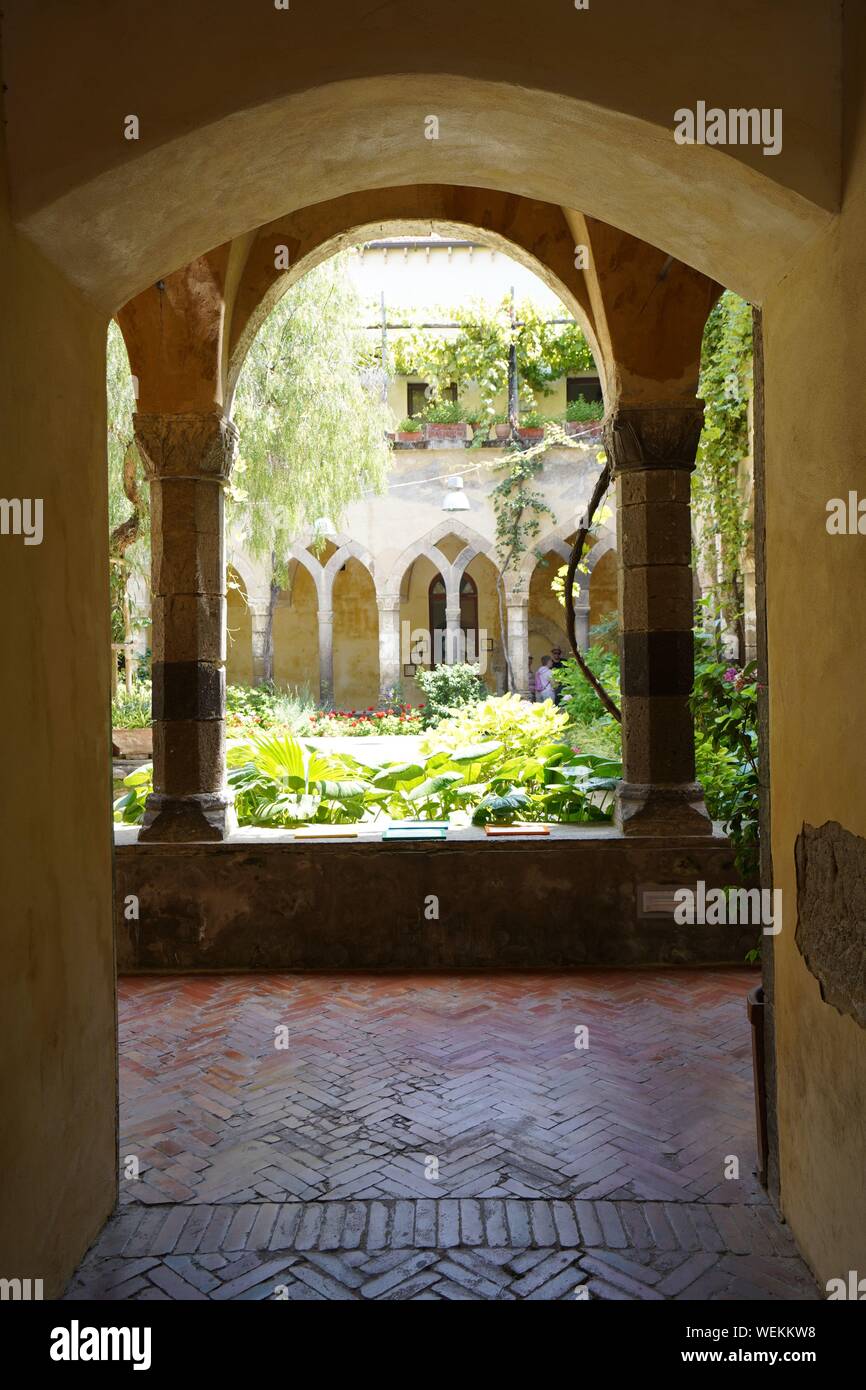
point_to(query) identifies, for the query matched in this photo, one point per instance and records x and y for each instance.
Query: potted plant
(409, 430)
(531, 426)
(580, 415)
(445, 420)
(501, 427)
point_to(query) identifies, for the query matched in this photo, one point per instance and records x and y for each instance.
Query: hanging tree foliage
(312, 419)
(719, 506)
(128, 510)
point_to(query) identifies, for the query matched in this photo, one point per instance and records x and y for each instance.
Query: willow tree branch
(574, 560)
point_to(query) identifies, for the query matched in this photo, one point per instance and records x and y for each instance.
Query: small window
(587, 386)
(416, 398)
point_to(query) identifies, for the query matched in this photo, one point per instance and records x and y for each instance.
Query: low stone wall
(265, 902)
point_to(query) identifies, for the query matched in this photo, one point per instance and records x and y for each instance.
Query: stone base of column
(654, 809)
(172, 819)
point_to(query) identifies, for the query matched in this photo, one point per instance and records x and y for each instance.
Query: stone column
(188, 459)
(326, 657)
(390, 665)
(263, 644)
(453, 634)
(652, 449)
(517, 615)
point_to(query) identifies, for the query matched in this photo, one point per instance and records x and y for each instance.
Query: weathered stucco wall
(57, 1132)
(815, 332)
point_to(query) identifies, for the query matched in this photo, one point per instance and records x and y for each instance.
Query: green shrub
(411, 425)
(724, 703)
(250, 707)
(447, 688)
(578, 698)
(582, 409)
(520, 727)
(132, 711)
(281, 781)
(444, 413)
(532, 420)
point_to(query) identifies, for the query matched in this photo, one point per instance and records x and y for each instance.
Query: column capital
(653, 436)
(199, 445)
(388, 603)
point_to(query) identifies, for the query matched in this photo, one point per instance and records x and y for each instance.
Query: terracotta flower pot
(457, 431)
(531, 433)
(409, 436)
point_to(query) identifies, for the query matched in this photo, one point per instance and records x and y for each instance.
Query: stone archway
(281, 120)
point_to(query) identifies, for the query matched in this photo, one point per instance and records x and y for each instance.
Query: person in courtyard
(544, 689)
(558, 663)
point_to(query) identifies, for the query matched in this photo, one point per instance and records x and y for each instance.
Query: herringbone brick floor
(482, 1136)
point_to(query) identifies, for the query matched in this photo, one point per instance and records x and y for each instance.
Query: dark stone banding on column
(657, 663)
(188, 690)
(652, 449)
(188, 458)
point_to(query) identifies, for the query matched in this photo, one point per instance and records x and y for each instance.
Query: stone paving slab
(492, 1250)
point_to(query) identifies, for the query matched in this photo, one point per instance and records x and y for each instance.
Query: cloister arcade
(349, 626)
(260, 139)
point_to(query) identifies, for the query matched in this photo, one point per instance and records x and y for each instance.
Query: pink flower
(731, 673)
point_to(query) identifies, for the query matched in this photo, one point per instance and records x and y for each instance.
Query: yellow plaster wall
(58, 1172)
(603, 588)
(356, 638)
(239, 640)
(815, 332)
(296, 637)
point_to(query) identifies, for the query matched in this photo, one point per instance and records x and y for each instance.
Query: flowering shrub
(522, 728)
(447, 687)
(725, 707)
(401, 719)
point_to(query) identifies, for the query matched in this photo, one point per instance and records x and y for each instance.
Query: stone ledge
(574, 900)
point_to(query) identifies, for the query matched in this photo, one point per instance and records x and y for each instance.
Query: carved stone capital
(197, 445)
(653, 436)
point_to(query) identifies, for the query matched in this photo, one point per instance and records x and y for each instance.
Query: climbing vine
(719, 499)
(478, 351)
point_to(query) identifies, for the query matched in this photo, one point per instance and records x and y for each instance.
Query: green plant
(129, 808)
(519, 727)
(132, 711)
(478, 352)
(312, 433)
(411, 425)
(447, 687)
(719, 498)
(266, 706)
(444, 413)
(582, 409)
(529, 773)
(724, 703)
(578, 698)
(532, 420)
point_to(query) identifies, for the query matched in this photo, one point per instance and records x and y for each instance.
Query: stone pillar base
(653, 809)
(205, 816)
